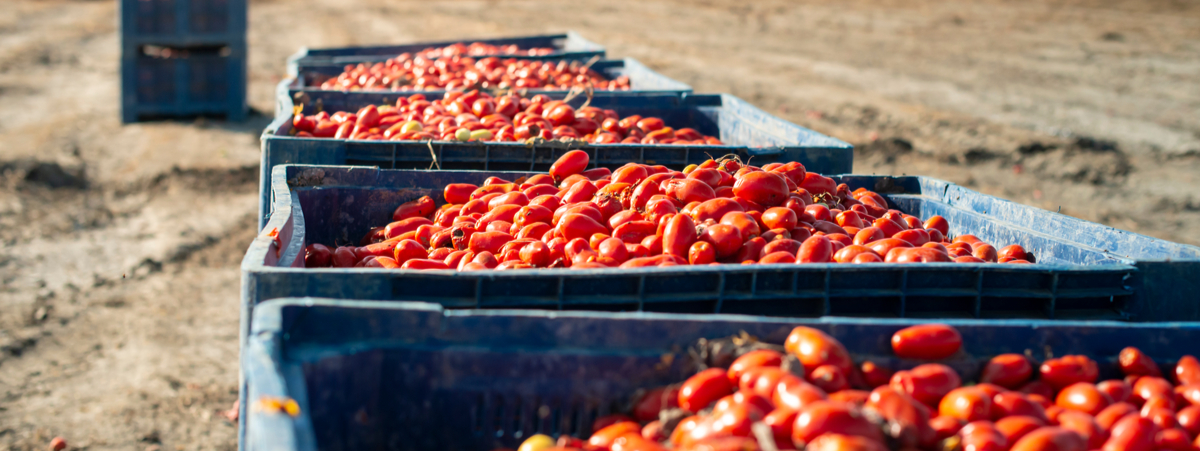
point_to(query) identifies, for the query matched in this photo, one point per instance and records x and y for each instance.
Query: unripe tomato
(815, 348)
(824, 417)
(926, 342)
(703, 389)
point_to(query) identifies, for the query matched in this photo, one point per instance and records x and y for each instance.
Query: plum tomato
(927, 383)
(967, 404)
(753, 359)
(704, 388)
(826, 417)
(1066, 370)
(1007, 370)
(1083, 397)
(1050, 438)
(815, 348)
(926, 342)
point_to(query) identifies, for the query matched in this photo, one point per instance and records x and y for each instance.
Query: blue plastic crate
(165, 81)
(570, 45)
(748, 132)
(642, 80)
(406, 375)
(1077, 275)
(182, 22)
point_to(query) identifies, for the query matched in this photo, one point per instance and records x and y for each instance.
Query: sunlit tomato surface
(703, 389)
(926, 342)
(927, 383)
(1068, 370)
(815, 348)
(967, 404)
(1050, 438)
(824, 417)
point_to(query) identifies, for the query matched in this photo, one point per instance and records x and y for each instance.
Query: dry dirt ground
(120, 244)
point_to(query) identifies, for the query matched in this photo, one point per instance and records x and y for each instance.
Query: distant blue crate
(1077, 276)
(406, 375)
(207, 80)
(182, 22)
(747, 132)
(570, 45)
(642, 80)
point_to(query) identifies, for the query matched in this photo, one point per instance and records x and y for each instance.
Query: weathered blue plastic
(1076, 277)
(408, 375)
(210, 81)
(748, 132)
(182, 23)
(570, 45)
(641, 79)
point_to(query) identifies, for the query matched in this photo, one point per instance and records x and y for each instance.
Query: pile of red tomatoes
(810, 395)
(642, 216)
(478, 49)
(421, 73)
(478, 116)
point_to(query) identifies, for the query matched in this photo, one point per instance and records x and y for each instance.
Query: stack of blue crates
(485, 359)
(183, 58)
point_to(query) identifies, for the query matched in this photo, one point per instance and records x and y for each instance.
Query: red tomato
(926, 342)
(875, 375)
(945, 427)
(762, 187)
(1111, 414)
(701, 253)
(1189, 419)
(1007, 370)
(1134, 362)
(982, 436)
(703, 389)
(572, 162)
(824, 417)
(907, 419)
(1016, 404)
(605, 437)
(1084, 425)
(1015, 427)
(759, 406)
(1187, 371)
(678, 235)
(1050, 438)
(967, 404)
(1117, 390)
(815, 348)
(1132, 433)
(793, 392)
(781, 421)
(927, 383)
(753, 359)
(1068, 370)
(1083, 397)
(839, 442)
(828, 378)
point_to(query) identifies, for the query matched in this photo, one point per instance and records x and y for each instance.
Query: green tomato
(462, 134)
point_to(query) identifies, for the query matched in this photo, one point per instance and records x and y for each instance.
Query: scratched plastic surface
(569, 45)
(747, 132)
(406, 375)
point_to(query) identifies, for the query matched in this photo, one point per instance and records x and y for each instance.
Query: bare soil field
(120, 245)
